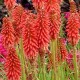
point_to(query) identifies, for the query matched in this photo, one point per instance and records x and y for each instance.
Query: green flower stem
(34, 70)
(42, 62)
(53, 47)
(22, 61)
(75, 63)
(43, 68)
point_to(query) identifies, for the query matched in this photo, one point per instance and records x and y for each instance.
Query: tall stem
(42, 60)
(53, 51)
(34, 70)
(22, 61)
(43, 68)
(75, 63)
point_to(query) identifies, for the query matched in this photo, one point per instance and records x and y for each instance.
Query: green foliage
(1, 1)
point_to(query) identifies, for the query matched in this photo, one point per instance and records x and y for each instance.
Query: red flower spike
(42, 23)
(17, 34)
(43, 29)
(73, 26)
(16, 15)
(63, 49)
(36, 2)
(29, 36)
(23, 20)
(39, 4)
(12, 65)
(10, 4)
(7, 33)
(73, 8)
(55, 20)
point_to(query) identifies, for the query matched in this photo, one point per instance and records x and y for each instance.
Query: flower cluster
(29, 35)
(43, 29)
(12, 65)
(16, 15)
(16, 21)
(10, 4)
(7, 32)
(34, 32)
(73, 26)
(55, 20)
(63, 49)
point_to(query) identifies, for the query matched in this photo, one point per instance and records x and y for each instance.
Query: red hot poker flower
(10, 3)
(12, 65)
(29, 35)
(55, 20)
(73, 26)
(43, 29)
(63, 50)
(7, 32)
(39, 4)
(42, 23)
(17, 34)
(16, 17)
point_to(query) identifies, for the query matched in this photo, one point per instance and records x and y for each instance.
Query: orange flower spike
(29, 35)
(7, 33)
(73, 25)
(16, 18)
(10, 4)
(55, 19)
(63, 49)
(42, 23)
(40, 3)
(12, 65)
(17, 34)
(16, 15)
(43, 29)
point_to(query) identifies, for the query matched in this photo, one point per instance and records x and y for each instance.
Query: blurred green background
(1, 1)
